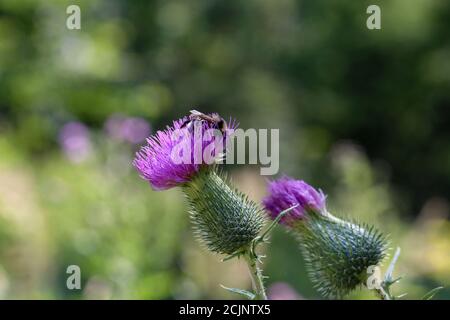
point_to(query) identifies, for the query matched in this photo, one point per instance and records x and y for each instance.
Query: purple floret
(155, 161)
(287, 192)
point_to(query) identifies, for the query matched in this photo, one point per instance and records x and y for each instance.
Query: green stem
(383, 293)
(252, 258)
(257, 277)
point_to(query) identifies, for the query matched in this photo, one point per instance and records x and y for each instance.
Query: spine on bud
(224, 219)
(339, 253)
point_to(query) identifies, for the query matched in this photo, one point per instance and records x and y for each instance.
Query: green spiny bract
(338, 253)
(224, 219)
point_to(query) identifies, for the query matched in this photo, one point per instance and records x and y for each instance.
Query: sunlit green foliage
(363, 114)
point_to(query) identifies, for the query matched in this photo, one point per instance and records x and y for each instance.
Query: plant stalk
(257, 277)
(383, 293)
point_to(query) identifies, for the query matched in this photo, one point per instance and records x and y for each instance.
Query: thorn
(396, 280)
(236, 254)
(430, 294)
(390, 270)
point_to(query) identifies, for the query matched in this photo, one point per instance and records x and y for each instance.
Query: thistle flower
(337, 253)
(173, 157)
(223, 218)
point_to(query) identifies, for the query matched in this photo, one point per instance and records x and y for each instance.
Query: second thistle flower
(337, 253)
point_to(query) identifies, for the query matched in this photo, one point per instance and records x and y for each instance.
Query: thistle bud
(337, 253)
(224, 219)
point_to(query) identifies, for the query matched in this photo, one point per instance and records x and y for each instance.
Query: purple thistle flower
(287, 192)
(337, 253)
(175, 155)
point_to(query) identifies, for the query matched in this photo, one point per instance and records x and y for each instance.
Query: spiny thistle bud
(224, 219)
(337, 253)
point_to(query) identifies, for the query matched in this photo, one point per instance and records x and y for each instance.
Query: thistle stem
(383, 294)
(257, 277)
(252, 258)
(384, 291)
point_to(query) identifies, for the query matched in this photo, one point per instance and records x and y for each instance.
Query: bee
(218, 122)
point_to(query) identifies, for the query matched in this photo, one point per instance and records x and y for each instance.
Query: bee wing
(196, 113)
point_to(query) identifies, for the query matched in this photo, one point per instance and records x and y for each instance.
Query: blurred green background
(364, 115)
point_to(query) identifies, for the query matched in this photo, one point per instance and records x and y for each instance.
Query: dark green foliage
(338, 253)
(224, 219)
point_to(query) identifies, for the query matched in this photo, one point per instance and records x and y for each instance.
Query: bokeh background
(363, 114)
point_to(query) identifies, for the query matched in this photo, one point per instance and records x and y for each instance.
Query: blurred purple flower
(156, 163)
(75, 142)
(287, 192)
(130, 129)
(282, 291)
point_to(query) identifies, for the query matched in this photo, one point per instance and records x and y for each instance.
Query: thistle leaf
(430, 294)
(245, 293)
(401, 296)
